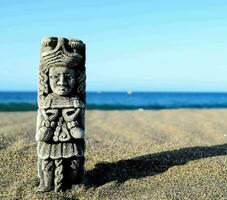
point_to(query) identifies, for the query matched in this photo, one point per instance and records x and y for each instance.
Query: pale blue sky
(148, 45)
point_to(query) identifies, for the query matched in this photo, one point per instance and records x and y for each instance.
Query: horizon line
(130, 91)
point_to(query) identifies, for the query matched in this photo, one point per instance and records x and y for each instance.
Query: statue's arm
(45, 124)
(39, 122)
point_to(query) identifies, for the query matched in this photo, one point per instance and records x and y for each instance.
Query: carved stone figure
(60, 121)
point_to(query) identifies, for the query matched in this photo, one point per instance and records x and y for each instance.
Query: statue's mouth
(62, 88)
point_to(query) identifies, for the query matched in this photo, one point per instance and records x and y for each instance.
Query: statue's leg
(77, 163)
(47, 168)
(40, 174)
(58, 176)
(77, 170)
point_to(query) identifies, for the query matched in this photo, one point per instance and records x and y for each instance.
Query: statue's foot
(45, 189)
(40, 186)
(77, 187)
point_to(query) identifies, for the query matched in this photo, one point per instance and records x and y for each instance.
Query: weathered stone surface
(60, 121)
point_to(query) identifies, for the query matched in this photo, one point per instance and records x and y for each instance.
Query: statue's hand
(70, 114)
(45, 133)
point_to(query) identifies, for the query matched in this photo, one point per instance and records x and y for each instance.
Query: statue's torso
(61, 125)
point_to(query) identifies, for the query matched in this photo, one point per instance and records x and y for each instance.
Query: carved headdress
(61, 52)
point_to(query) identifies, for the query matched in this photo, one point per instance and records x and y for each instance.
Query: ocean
(27, 101)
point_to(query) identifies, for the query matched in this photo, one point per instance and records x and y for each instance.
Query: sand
(165, 154)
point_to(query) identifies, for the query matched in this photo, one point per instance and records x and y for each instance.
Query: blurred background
(140, 54)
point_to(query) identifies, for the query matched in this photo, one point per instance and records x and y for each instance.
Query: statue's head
(62, 67)
(62, 80)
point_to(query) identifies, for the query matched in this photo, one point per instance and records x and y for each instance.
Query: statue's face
(62, 80)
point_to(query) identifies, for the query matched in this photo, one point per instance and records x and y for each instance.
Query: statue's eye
(54, 76)
(68, 76)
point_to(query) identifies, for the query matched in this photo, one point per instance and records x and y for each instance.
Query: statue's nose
(62, 80)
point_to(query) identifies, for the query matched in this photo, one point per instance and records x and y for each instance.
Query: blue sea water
(24, 101)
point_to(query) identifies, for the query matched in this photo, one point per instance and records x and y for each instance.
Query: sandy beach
(164, 154)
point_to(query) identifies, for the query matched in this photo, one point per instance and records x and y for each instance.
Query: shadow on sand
(148, 165)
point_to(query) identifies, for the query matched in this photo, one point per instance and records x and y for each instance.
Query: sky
(136, 45)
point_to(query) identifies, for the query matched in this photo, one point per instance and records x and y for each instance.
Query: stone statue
(60, 121)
